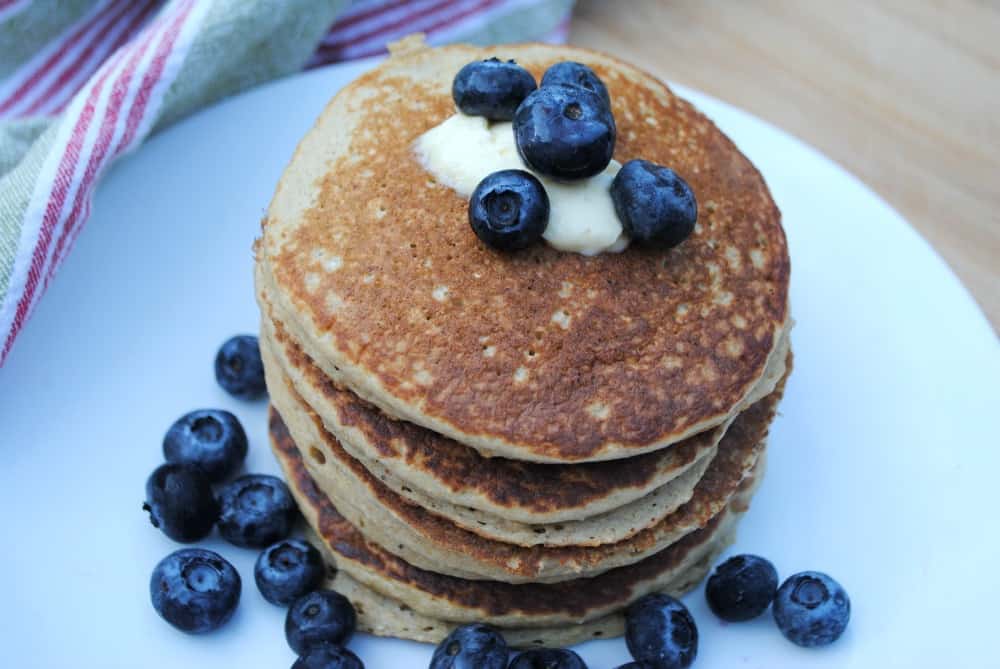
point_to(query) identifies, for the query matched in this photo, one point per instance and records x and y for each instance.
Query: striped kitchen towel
(82, 82)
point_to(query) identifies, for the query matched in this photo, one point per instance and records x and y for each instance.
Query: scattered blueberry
(638, 665)
(655, 206)
(509, 210)
(548, 658)
(491, 88)
(566, 132)
(318, 617)
(287, 570)
(811, 609)
(239, 369)
(659, 630)
(180, 502)
(576, 74)
(741, 588)
(212, 439)
(328, 656)
(256, 511)
(475, 646)
(195, 590)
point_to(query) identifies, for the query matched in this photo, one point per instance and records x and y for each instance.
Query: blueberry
(212, 439)
(180, 502)
(328, 656)
(570, 73)
(565, 132)
(655, 206)
(287, 570)
(638, 665)
(256, 511)
(509, 210)
(318, 617)
(475, 646)
(239, 369)
(491, 88)
(660, 631)
(548, 658)
(195, 590)
(811, 609)
(741, 588)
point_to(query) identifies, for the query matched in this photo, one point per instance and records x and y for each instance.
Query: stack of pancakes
(535, 439)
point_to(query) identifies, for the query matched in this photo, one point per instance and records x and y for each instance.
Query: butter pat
(463, 150)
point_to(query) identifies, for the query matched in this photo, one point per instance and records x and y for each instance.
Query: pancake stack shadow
(461, 454)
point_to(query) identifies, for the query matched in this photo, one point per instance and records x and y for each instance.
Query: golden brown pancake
(382, 616)
(649, 347)
(610, 526)
(430, 541)
(417, 463)
(459, 600)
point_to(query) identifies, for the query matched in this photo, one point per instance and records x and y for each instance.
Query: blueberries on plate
(660, 630)
(655, 206)
(180, 502)
(475, 646)
(317, 617)
(576, 74)
(195, 590)
(239, 369)
(287, 570)
(741, 588)
(811, 609)
(492, 88)
(256, 511)
(566, 132)
(328, 656)
(212, 439)
(548, 658)
(509, 210)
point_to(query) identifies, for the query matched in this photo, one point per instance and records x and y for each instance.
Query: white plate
(881, 471)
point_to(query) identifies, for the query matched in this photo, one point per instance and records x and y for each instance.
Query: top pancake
(538, 355)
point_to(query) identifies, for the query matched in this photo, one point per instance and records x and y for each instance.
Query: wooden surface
(906, 95)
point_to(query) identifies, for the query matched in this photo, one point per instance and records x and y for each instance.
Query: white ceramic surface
(881, 471)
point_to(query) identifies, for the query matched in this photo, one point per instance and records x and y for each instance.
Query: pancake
(608, 527)
(517, 502)
(456, 600)
(432, 542)
(530, 493)
(382, 616)
(538, 355)
(605, 528)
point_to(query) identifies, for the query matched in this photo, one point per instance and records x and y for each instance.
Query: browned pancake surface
(736, 455)
(493, 598)
(533, 486)
(659, 344)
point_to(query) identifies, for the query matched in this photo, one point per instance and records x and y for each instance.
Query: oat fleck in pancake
(538, 355)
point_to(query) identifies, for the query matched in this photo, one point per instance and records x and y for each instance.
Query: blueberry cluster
(810, 608)
(565, 130)
(198, 590)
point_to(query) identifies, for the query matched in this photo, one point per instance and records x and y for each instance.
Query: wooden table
(904, 94)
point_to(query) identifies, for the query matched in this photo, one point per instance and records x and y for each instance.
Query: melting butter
(463, 150)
